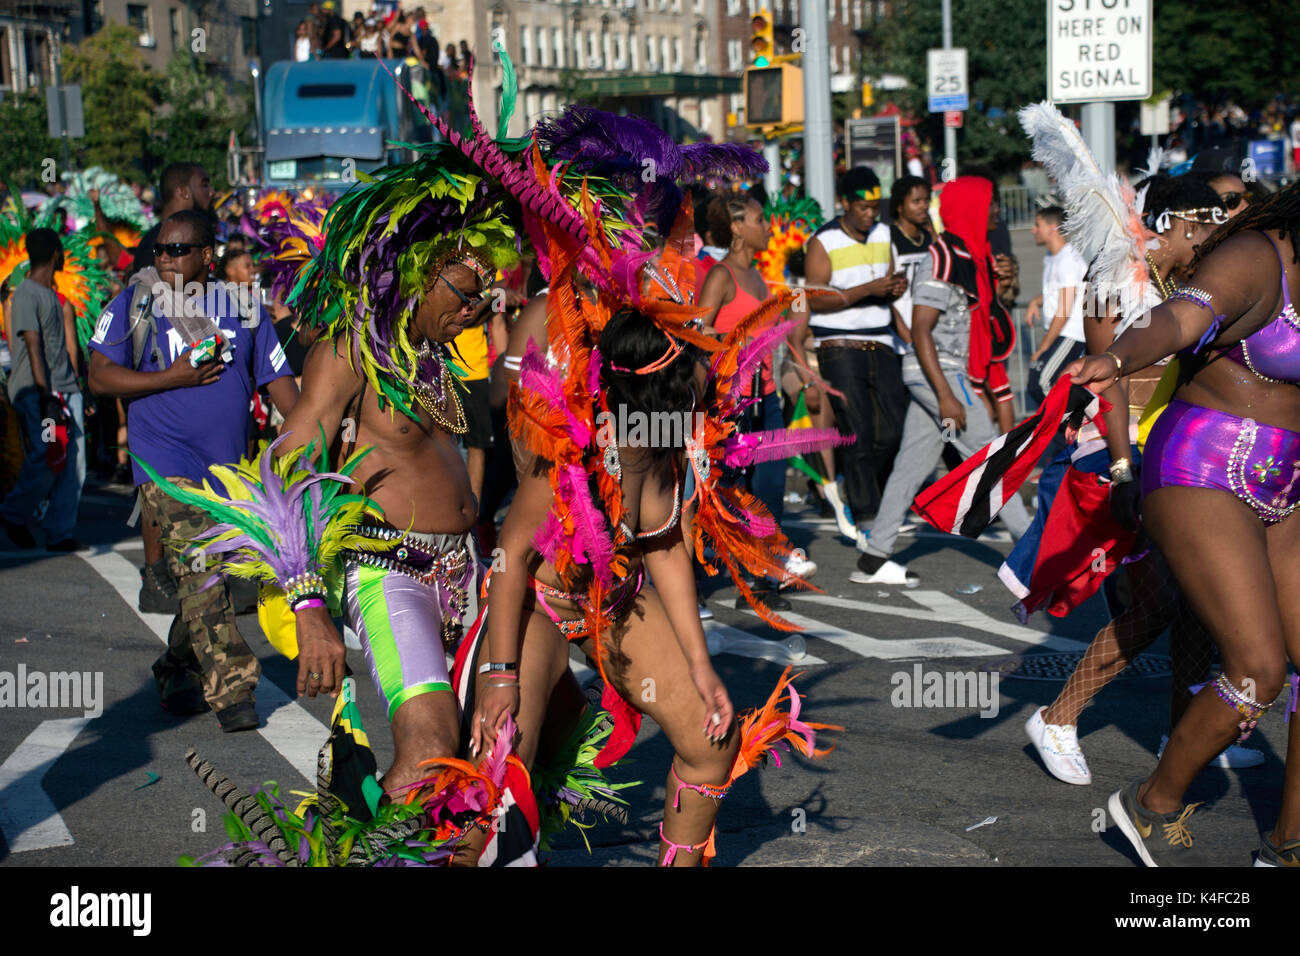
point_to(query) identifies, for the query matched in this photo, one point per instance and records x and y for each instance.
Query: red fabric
(627, 721)
(1012, 457)
(125, 261)
(964, 209)
(1081, 544)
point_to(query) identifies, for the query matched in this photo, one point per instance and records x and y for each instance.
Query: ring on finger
(313, 675)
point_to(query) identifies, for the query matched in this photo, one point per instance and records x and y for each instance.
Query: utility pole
(818, 132)
(949, 134)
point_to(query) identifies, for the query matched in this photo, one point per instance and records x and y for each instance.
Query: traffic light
(773, 95)
(761, 45)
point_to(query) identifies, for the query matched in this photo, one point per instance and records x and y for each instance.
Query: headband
(1207, 215)
(662, 362)
(870, 195)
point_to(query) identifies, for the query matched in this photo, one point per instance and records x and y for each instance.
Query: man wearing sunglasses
(415, 474)
(184, 417)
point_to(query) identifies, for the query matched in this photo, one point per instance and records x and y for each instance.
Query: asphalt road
(903, 787)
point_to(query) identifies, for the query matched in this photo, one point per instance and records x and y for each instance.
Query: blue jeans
(36, 482)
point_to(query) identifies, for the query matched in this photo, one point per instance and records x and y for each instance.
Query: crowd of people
(455, 372)
(397, 34)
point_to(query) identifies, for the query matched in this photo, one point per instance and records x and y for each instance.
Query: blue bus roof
(340, 92)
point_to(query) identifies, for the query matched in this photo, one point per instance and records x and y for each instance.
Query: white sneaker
(798, 566)
(1058, 748)
(1234, 757)
(843, 516)
(891, 572)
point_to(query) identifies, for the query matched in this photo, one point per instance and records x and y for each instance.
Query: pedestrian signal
(761, 44)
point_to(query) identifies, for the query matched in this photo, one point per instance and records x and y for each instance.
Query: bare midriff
(415, 472)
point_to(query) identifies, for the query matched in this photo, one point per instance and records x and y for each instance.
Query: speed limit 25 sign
(946, 85)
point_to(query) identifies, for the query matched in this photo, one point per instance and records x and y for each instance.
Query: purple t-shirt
(182, 431)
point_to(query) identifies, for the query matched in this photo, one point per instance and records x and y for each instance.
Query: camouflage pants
(204, 649)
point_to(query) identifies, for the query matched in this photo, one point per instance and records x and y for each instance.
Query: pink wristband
(309, 602)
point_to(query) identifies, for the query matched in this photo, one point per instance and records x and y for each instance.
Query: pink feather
(760, 345)
(494, 765)
(539, 378)
(592, 543)
(755, 447)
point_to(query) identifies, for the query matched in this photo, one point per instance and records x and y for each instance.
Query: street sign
(1155, 117)
(1098, 50)
(63, 112)
(878, 143)
(946, 83)
(952, 119)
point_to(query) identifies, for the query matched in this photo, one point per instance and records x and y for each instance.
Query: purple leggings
(1196, 447)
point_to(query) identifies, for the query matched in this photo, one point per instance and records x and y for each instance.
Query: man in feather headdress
(406, 261)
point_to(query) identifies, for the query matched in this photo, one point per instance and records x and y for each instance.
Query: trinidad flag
(967, 499)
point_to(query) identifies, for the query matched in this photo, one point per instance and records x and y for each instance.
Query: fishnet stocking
(1155, 604)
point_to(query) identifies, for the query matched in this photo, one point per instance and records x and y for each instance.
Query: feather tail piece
(763, 732)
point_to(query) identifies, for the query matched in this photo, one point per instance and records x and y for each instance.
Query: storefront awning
(657, 84)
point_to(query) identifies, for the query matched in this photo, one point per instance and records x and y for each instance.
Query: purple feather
(723, 160)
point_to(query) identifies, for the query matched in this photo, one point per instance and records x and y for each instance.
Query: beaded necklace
(431, 391)
(1163, 286)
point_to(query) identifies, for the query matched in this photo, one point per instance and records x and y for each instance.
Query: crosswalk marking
(943, 609)
(28, 817)
(891, 650)
(286, 725)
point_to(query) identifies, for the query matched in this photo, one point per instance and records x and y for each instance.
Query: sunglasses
(1232, 200)
(175, 250)
(466, 301)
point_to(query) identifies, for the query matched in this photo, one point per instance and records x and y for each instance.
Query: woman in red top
(733, 289)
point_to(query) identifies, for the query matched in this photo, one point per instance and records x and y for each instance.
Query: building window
(753, 7)
(663, 48)
(677, 54)
(733, 8)
(543, 54)
(701, 57)
(848, 60)
(735, 54)
(857, 14)
(651, 52)
(844, 12)
(620, 51)
(593, 52)
(557, 41)
(174, 25)
(835, 59)
(137, 18)
(525, 46)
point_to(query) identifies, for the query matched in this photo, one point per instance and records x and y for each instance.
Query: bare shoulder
(531, 324)
(328, 369)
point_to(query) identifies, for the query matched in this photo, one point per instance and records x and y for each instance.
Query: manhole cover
(1059, 667)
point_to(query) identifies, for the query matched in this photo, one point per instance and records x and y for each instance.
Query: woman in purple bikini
(1220, 479)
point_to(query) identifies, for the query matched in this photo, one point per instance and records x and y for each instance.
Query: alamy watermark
(67, 689)
(636, 429)
(959, 690)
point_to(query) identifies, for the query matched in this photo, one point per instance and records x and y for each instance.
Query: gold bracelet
(1119, 363)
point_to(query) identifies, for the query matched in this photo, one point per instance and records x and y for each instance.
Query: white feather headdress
(1102, 222)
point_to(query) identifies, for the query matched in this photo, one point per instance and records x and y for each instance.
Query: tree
(119, 98)
(26, 144)
(1242, 52)
(196, 124)
(1006, 60)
